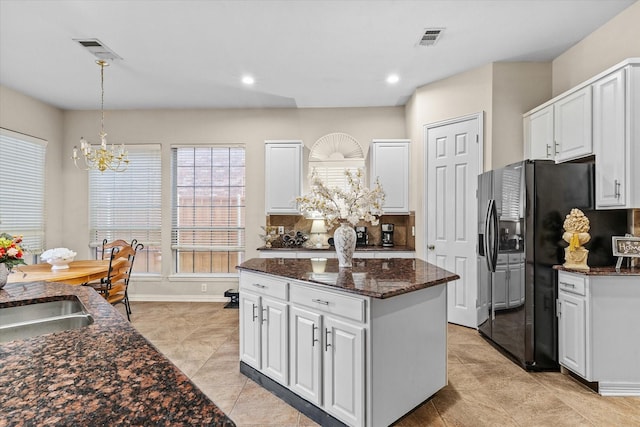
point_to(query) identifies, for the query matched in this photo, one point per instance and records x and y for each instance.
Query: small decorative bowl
(59, 258)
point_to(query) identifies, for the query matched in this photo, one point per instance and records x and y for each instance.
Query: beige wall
(503, 91)
(249, 127)
(23, 114)
(614, 42)
(517, 88)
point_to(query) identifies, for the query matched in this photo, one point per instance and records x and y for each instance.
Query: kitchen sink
(30, 320)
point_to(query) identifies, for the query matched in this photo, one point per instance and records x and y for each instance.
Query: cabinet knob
(548, 153)
(314, 340)
(616, 184)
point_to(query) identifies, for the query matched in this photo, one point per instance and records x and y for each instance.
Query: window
(208, 232)
(127, 205)
(22, 189)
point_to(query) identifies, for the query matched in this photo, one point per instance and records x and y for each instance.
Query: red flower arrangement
(10, 251)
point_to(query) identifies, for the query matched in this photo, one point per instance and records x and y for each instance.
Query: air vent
(98, 49)
(430, 36)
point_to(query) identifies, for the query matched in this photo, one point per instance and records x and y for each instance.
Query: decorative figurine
(576, 226)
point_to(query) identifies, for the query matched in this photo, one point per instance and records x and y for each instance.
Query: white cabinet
(572, 334)
(389, 162)
(283, 176)
(344, 370)
(616, 139)
(539, 143)
(264, 326)
(598, 321)
(343, 348)
(572, 125)
(508, 281)
(306, 354)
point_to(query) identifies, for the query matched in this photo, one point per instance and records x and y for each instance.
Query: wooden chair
(114, 287)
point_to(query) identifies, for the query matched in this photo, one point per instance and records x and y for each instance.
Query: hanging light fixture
(102, 157)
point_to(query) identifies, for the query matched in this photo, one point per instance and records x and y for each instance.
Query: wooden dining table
(78, 273)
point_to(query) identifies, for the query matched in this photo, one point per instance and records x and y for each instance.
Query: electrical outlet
(413, 230)
(281, 229)
(204, 287)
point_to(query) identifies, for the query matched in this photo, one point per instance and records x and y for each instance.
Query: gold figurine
(576, 226)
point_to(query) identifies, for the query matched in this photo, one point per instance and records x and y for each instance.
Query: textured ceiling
(314, 53)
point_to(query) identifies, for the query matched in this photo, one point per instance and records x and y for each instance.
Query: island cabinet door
(306, 354)
(275, 357)
(344, 371)
(250, 325)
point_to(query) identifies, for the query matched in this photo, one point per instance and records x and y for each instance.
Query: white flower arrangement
(352, 204)
(58, 253)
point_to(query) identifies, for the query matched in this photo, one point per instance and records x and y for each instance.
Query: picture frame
(625, 247)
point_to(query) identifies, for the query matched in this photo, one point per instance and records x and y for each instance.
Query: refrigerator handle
(491, 240)
(487, 235)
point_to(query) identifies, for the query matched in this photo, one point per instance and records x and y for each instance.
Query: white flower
(57, 253)
(352, 204)
(12, 252)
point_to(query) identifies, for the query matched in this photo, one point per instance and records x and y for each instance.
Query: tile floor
(485, 388)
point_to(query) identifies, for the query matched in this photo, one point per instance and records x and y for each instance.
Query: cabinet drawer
(329, 302)
(571, 283)
(264, 285)
(516, 258)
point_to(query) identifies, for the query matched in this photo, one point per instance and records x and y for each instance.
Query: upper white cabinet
(600, 117)
(616, 138)
(572, 126)
(389, 163)
(283, 176)
(560, 131)
(538, 136)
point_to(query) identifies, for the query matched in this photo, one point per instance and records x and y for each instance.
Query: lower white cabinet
(598, 339)
(364, 361)
(508, 281)
(265, 330)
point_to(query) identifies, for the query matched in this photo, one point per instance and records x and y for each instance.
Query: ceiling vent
(98, 49)
(430, 36)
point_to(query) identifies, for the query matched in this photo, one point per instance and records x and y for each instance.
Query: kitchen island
(105, 373)
(358, 346)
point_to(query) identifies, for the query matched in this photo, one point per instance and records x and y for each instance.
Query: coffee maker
(362, 238)
(387, 235)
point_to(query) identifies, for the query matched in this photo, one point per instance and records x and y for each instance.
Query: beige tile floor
(485, 388)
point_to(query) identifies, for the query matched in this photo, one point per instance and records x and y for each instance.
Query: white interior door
(454, 156)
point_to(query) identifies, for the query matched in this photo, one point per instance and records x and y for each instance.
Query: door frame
(479, 116)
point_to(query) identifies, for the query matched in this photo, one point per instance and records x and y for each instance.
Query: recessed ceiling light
(248, 80)
(393, 79)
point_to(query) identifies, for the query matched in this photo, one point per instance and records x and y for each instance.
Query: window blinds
(22, 188)
(127, 205)
(208, 199)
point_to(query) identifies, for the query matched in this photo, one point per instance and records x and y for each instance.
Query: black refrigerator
(521, 210)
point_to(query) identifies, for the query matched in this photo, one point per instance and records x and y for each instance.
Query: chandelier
(101, 157)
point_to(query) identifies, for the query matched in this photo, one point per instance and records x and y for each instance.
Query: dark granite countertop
(333, 249)
(377, 278)
(603, 271)
(103, 374)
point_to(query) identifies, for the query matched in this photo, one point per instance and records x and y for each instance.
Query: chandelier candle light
(102, 158)
(345, 206)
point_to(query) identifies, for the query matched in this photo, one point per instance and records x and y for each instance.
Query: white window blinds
(127, 205)
(208, 231)
(22, 188)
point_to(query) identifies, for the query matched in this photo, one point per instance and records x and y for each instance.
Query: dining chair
(114, 287)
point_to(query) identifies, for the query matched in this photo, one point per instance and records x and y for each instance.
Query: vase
(4, 274)
(344, 239)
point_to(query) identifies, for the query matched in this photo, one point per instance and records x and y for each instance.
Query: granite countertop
(377, 278)
(102, 374)
(603, 271)
(333, 249)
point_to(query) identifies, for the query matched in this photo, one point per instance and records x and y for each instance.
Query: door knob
(431, 247)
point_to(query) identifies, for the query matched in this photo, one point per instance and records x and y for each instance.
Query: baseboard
(619, 389)
(177, 298)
